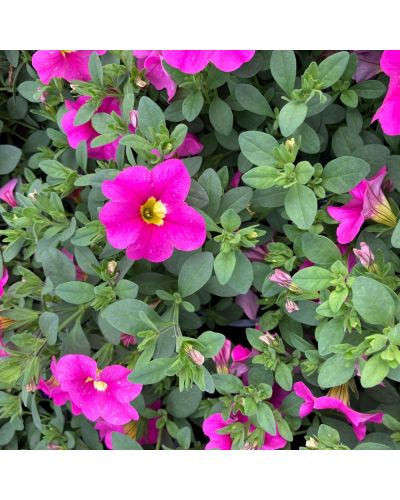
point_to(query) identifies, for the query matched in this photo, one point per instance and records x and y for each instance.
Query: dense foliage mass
(199, 249)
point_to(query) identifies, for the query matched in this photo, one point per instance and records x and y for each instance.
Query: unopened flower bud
(291, 306)
(364, 255)
(111, 267)
(32, 196)
(268, 338)
(54, 446)
(128, 340)
(133, 116)
(311, 444)
(31, 386)
(284, 280)
(290, 144)
(253, 235)
(140, 83)
(195, 356)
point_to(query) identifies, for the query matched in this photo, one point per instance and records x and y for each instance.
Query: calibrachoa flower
(216, 422)
(388, 114)
(239, 356)
(249, 304)
(78, 133)
(367, 64)
(3, 281)
(364, 255)
(367, 202)
(67, 64)
(151, 62)
(128, 340)
(147, 214)
(356, 419)
(193, 61)
(7, 192)
(105, 394)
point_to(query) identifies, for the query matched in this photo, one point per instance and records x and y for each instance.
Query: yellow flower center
(131, 429)
(64, 52)
(340, 392)
(153, 212)
(99, 385)
(383, 214)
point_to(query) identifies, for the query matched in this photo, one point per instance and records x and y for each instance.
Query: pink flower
(147, 214)
(67, 64)
(364, 255)
(388, 114)
(236, 179)
(356, 419)
(193, 61)
(151, 62)
(190, 146)
(216, 422)
(3, 353)
(195, 356)
(98, 393)
(7, 192)
(367, 64)
(77, 133)
(80, 275)
(249, 304)
(291, 306)
(128, 340)
(367, 202)
(239, 355)
(257, 254)
(53, 390)
(3, 281)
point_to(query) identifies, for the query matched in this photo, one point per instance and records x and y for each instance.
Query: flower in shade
(367, 64)
(3, 280)
(147, 213)
(239, 355)
(151, 62)
(367, 202)
(215, 423)
(193, 61)
(128, 340)
(53, 390)
(236, 179)
(249, 304)
(284, 280)
(7, 192)
(78, 133)
(105, 394)
(257, 254)
(67, 64)
(365, 255)
(356, 419)
(80, 274)
(388, 114)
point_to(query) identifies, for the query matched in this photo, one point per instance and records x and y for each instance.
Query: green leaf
(283, 376)
(257, 147)
(150, 117)
(86, 112)
(283, 69)
(124, 315)
(153, 372)
(370, 89)
(224, 264)
(76, 292)
(266, 419)
(252, 100)
(395, 239)
(57, 266)
(335, 371)
(291, 116)
(331, 333)
(332, 68)
(75, 341)
(320, 249)
(96, 69)
(227, 383)
(301, 205)
(342, 174)
(195, 273)
(313, 278)
(261, 177)
(126, 289)
(48, 323)
(349, 98)
(221, 116)
(182, 404)
(212, 342)
(373, 301)
(9, 158)
(373, 371)
(192, 105)
(123, 442)
(178, 135)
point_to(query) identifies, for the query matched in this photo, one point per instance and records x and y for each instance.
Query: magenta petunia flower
(367, 202)
(367, 64)
(193, 61)
(257, 254)
(248, 303)
(3, 281)
(151, 62)
(236, 179)
(147, 213)
(3, 353)
(105, 394)
(388, 114)
(216, 422)
(190, 146)
(7, 192)
(356, 419)
(77, 133)
(239, 355)
(67, 64)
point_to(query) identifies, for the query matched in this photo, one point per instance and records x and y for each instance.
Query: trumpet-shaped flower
(147, 213)
(67, 64)
(367, 202)
(151, 62)
(105, 394)
(356, 419)
(7, 192)
(193, 61)
(3, 281)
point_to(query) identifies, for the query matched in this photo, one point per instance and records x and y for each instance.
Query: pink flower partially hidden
(105, 394)
(151, 62)
(7, 192)
(239, 355)
(388, 114)
(193, 61)
(3, 281)
(216, 422)
(67, 64)
(356, 419)
(147, 213)
(367, 202)
(80, 274)
(77, 133)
